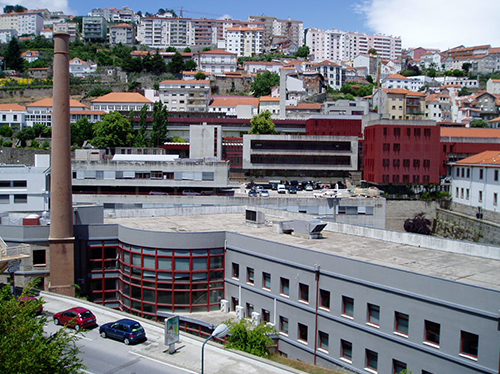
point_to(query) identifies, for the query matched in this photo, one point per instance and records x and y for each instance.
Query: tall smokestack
(61, 239)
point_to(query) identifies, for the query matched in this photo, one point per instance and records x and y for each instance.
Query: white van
(281, 188)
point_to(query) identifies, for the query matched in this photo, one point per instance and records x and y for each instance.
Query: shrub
(418, 224)
(7, 144)
(248, 338)
(46, 144)
(35, 144)
(6, 131)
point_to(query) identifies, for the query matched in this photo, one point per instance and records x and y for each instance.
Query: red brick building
(400, 152)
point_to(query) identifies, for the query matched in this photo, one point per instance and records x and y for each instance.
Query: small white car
(264, 193)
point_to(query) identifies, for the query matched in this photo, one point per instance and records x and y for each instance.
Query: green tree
(176, 65)
(6, 131)
(479, 123)
(24, 345)
(14, 9)
(200, 76)
(190, 65)
(12, 55)
(432, 73)
(142, 140)
(464, 91)
(262, 124)
(42, 131)
(466, 66)
(264, 82)
(113, 131)
(303, 51)
(25, 134)
(372, 51)
(245, 337)
(159, 124)
(171, 49)
(369, 79)
(158, 64)
(81, 131)
(187, 50)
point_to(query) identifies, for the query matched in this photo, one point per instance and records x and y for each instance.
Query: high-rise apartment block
(23, 23)
(337, 45)
(244, 41)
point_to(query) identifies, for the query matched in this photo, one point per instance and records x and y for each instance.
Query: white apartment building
(400, 81)
(337, 45)
(23, 23)
(125, 14)
(217, 61)
(160, 32)
(431, 60)
(245, 41)
(254, 67)
(7, 35)
(70, 28)
(122, 33)
(185, 95)
(333, 73)
(41, 111)
(476, 181)
(493, 86)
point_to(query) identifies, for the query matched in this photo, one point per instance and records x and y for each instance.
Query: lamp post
(219, 332)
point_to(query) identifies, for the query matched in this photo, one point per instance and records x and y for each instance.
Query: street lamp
(219, 332)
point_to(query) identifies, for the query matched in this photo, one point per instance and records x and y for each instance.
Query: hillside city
(281, 135)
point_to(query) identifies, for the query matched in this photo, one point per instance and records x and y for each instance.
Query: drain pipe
(316, 271)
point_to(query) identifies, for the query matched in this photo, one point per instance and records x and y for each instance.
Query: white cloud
(52, 5)
(435, 23)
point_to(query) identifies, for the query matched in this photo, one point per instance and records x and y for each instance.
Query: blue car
(126, 330)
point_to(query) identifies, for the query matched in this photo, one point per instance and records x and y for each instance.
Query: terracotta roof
(494, 50)
(469, 132)
(233, 101)
(432, 97)
(262, 63)
(326, 62)
(269, 98)
(195, 72)
(190, 81)
(241, 28)
(122, 97)
(402, 91)
(49, 103)
(483, 158)
(31, 53)
(79, 60)
(7, 107)
(217, 52)
(451, 85)
(123, 25)
(397, 76)
(495, 80)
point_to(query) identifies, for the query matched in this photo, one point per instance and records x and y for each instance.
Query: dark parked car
(125, 330)
(252, 193)
(292, 190)
(76, 317)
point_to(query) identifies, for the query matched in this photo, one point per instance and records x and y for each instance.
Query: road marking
(162, 362)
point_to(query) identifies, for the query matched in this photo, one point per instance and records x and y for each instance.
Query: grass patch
(304, 366)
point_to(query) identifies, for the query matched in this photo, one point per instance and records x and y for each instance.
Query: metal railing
(11, 253)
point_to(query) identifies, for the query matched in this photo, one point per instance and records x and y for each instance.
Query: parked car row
(126, 330)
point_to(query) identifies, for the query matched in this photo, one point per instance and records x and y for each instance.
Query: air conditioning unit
(255, 318)
(240, 312)
(224, 306)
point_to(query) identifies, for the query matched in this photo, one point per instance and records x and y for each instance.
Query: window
(427, 132)
(416, 132)
(481, 173)
(469, 344)
(395, 162)
(402, 323)
(266, 315)
(250, 276)
(371, 361)
(373, 314)
(324, 297)
(397, 147)
(427, 163)
(21, 199)
(284, 325)
(385, 162)
(250, 310)
(303, 332)
(495, 198)
(416, 164)
(236, 270)
(432, 332)
(39, 257)
(387, 147)
(406, 163)
(4, 199)
(19, 184)
(285, 286)
(347, 306)
(346, 350)
(398, 366)
(467, 192)
(385, 131)
(303, 292)
(495, 177)
(266, 281)
(397, 131)
(480, 198)
(468, 173)
(323, 340)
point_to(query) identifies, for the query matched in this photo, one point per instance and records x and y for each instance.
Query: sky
(439, 24)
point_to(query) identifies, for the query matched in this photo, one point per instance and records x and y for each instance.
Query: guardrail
(12, 253)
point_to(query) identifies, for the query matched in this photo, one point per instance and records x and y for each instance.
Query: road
(107, 356)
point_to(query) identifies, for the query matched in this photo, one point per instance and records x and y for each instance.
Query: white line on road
(164, 363)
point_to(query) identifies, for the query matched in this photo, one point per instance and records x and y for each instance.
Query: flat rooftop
(462, 268)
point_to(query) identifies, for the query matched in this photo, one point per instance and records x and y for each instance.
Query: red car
(76, 317)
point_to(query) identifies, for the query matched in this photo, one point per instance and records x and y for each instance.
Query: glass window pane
(182, 264)
(164, 263)
(199, 263)
(149, 262)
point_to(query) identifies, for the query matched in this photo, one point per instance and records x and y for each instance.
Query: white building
(338, 46)
(24, 23)
(25, 188)
(493, 86)
(41, 111)
(241, 106)
(122, 33)
(431, 60)
(12, 115)
(245, 41)
(332, 73)
(80, 68)
(185, 95)
(476, 181)
(7, 35)
(261, 66)
(462, 81)
(400, 81)
(161, 32)
(217, 61)
(121, 102)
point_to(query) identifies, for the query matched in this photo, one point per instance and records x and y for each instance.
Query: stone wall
(397, 211)
(455, 225)
(231, 86)
(20, 156)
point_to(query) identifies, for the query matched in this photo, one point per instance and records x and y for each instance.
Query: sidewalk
(188, 349)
